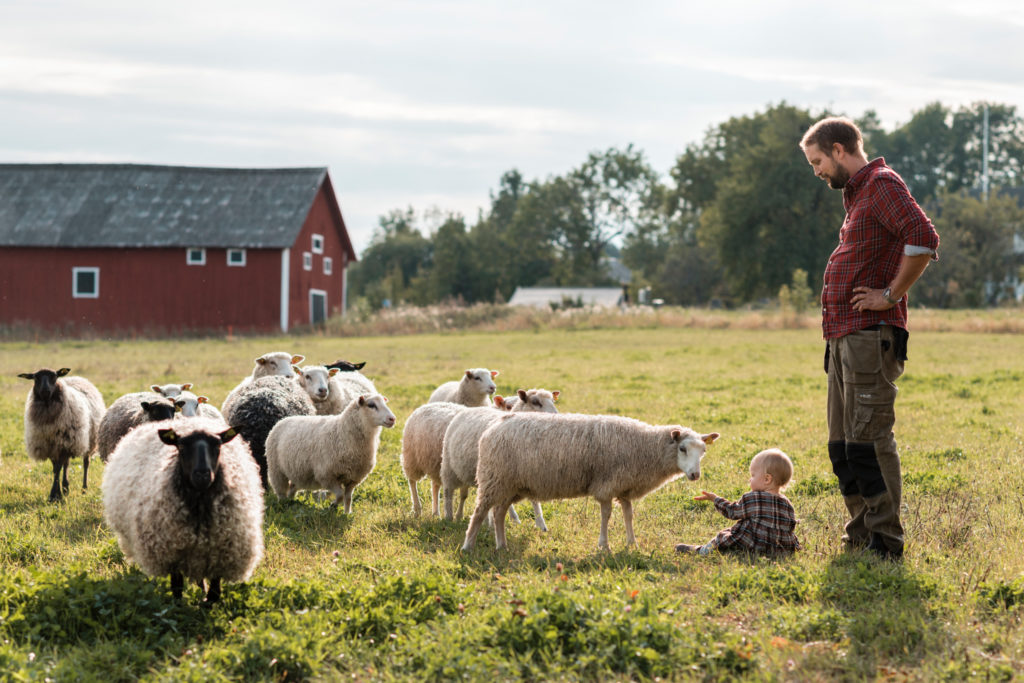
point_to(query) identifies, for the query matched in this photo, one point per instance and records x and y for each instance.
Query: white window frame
(74, 282)
(240, 264)
(202, 256)
(317, 245)
(328, 265)
(327, 310)
(307, 261)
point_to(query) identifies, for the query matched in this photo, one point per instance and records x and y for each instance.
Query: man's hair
(777, 464)
(827, 132)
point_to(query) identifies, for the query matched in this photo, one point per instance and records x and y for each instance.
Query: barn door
(317, 307)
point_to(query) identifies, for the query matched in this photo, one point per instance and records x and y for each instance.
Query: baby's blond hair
(777, 464)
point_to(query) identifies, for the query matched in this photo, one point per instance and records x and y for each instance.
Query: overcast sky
(426, 104)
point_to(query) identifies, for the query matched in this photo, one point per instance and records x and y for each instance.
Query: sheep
(170, 390)
(267, 365)
(333, 452)
(345, 366)
(332, 390)
(461, 449)
(183, 498)
(62, 419)
(128, 412)
(544, 457)
(191, 405)
(260, 405)
(422, 441)
(474, 389)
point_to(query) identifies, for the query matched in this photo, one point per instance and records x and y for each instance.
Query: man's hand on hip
(868, 299)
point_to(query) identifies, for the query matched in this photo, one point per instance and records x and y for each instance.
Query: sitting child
(766, 517)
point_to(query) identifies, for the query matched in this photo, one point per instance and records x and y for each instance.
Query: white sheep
(422, 442)
(547, 457)
(130, 411)
(461, 447)
(170, 390)
(267, 365)
(333, 452)
(474, 389)
(62, 420)
(332, 390)
(183, 498)
(191, 405)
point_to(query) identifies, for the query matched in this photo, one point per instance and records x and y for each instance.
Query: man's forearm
(910, 270)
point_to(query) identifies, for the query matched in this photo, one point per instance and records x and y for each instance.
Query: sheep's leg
(55, 491)
(435, 492)
(479, 513)
(538, 516)
(449, 493)
(499, 526)
(627, 518)
(213, 594)
(463, 494)
(177, 584)
(85, 472)
(416, 508)
(339, 496)
(513, 515)
(65, 485)
(606, 513)
(348, 499)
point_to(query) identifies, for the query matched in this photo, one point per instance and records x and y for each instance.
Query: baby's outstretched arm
(706, 495)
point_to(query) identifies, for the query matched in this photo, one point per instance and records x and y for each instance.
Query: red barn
(127, 247)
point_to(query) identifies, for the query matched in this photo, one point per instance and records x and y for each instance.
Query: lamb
(332, 390)
(191, 405)
(130, 411)
(461, 448)
(267, 365)
(474, 389)
(544, 457)
(183, 498)
(261, 404)
(334, 452)
(170, 390)
(62, 419)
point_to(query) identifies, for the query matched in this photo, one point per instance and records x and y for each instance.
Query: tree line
(739, 217)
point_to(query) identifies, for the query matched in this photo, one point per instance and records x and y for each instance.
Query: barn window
(236, 257)
(318, 244)
(85, 283)
(195, 257)
(328, 265)
(307, 261)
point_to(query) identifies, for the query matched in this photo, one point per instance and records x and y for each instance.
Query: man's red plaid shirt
(881, 220)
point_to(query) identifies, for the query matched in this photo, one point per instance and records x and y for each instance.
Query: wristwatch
(886, 294)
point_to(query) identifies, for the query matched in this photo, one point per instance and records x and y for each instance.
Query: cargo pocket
(862, 357)
(873, 415)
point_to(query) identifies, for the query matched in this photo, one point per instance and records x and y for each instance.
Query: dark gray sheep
(128, 412)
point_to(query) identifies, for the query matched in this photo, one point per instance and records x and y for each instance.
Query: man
(885, 243)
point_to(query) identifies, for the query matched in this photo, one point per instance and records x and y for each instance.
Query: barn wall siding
(319, 221)
(145, 290)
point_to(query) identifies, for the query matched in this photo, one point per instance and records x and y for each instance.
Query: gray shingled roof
(130, 205)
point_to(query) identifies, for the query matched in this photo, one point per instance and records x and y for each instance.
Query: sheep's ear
(332, 372)
(499, 401)
(261, 361)
(521, 393)
(202, 399)
(297, 359)
(386, 400)
(178, 405)
(145, 405)
(362, 400)
(167, 436)
(228, 434)
(494, 373)
(710, 438)
(359, 366)
(28, 375)
(297, 369)
(677, 434)
(554, 394)
(63, 371)
(155, 388)
(469, 374)
(186, 387)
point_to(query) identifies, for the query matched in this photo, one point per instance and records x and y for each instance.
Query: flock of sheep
(183, 488)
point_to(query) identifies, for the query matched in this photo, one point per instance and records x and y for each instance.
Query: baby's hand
(705, 495)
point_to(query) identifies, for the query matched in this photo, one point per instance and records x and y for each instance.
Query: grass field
(380, 594)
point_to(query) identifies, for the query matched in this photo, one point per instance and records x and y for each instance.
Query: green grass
(380, 594)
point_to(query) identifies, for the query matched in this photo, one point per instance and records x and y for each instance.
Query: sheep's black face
(198, 455)
(158, 410)
(44, 382)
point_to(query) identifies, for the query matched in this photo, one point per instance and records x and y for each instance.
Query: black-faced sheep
(547, 457)
(261, 404)
(62, 420)
(345, 366)
(474, 389)
(334, 452)
(128, 412)
(183, 498)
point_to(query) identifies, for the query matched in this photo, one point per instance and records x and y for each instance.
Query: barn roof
(133, 205)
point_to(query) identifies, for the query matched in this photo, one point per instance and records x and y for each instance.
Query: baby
(766, 517)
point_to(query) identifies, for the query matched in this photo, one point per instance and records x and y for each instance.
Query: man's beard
(839, 179)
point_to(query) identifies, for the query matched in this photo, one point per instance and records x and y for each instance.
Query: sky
(427, 104)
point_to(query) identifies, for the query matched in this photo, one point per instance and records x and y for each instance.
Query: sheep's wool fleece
(153, 524)
(73, 426)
